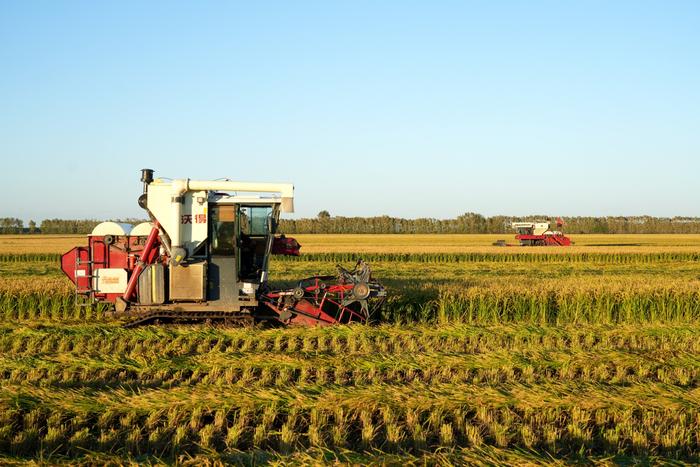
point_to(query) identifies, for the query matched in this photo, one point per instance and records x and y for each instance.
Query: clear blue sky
(405, 108)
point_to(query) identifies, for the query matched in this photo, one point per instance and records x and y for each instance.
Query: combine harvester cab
(205, 256)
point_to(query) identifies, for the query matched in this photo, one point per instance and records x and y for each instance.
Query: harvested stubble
(483, 455)
(611, 379)
(555, 430)
(597, 390)
(136, 344)
(269, 369)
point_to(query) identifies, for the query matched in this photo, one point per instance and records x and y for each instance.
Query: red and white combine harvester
(540, 234)
(205, 256)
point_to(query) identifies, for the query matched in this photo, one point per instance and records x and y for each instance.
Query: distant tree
(11, 225)
(324, 215)
(471, 222)
(32, 227)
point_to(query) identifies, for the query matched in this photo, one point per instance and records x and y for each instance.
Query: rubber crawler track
(139, 319)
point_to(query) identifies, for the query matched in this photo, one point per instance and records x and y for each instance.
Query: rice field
(481, 356)
(379, 243)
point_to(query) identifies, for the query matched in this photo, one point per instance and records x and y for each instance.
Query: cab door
(222, 273)
(255, 241)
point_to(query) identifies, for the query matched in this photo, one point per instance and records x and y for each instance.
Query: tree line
(469, 223)
(472, 223)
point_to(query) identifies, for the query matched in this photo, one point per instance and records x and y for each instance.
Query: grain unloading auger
(205, 256)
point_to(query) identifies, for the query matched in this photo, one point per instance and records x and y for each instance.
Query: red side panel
(306, 314)
(109, 256)
(74, 264)
(81, 263)
(312, 316)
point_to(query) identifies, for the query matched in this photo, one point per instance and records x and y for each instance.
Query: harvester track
(169, 316)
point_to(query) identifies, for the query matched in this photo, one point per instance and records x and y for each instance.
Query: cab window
(223, 229)
(254, 220)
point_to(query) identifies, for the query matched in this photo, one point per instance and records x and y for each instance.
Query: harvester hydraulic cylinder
(147, 258)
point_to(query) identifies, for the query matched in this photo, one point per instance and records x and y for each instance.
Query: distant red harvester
(540, 234)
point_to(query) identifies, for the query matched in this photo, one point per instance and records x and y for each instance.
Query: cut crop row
(176, 429)
(353, 340)
(356, 374)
